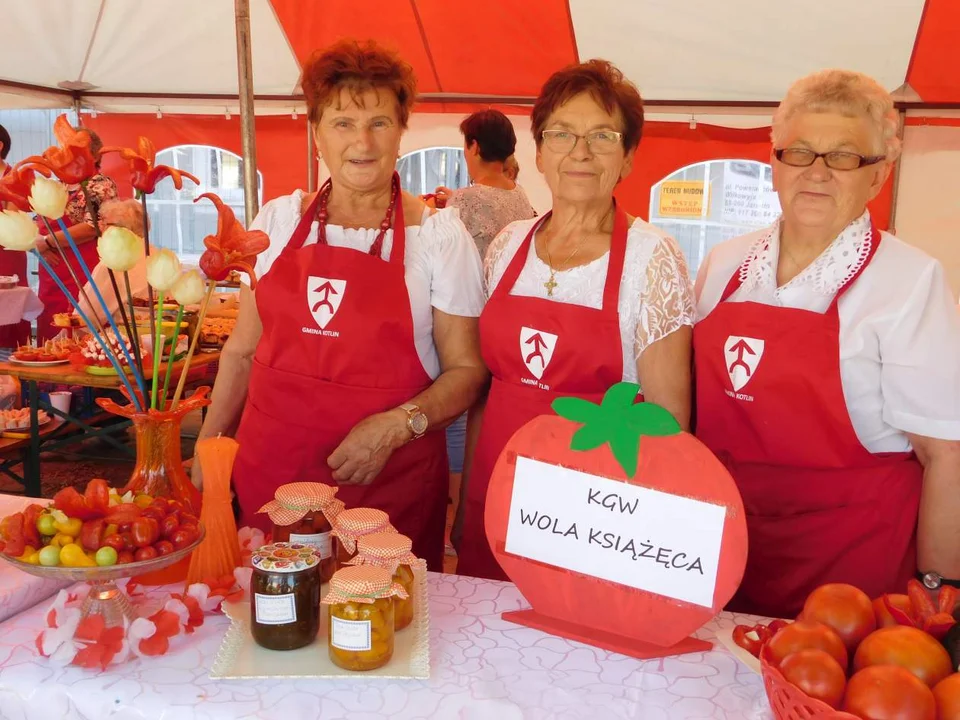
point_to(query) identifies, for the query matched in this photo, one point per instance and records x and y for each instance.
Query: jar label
(275, 609)
(350, 634)
(321, 541)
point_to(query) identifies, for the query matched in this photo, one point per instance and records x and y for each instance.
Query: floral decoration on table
(31, 187)
(70, 639)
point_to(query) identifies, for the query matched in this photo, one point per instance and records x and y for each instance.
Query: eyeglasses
(599, 141)
(801, 157)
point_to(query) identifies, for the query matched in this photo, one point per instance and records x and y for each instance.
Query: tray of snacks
(216, 331)
(52, 352)
(12, 421)
(291, 626)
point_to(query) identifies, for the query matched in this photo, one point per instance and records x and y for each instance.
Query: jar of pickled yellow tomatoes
(361, 625)
(285, 596)
(352, 524)
(303, 512)
(391, 551)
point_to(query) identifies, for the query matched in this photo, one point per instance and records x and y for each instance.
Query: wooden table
(66, 429)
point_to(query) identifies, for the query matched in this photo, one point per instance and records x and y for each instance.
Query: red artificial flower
(168, 626)
(144, 173)
(101, 643)
(15, 186)
(233, 247)
(195, 612)
(73, 161)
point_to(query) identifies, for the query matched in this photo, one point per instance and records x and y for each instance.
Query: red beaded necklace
(322, 216)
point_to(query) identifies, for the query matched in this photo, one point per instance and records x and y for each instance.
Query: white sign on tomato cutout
(635, 536)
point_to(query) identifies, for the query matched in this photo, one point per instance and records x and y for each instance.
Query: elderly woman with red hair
(360, 342)
(581, 299)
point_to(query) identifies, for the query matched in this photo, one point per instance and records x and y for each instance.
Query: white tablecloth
(19, 591)
(482, 669)
(19, 303)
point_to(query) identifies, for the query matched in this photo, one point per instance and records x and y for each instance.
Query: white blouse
(899, 327)
(441, 264)
(656, 296)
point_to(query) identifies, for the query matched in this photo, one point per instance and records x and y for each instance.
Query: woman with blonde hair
(827, 356)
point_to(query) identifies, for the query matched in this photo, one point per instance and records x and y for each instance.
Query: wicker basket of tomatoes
(845, 656)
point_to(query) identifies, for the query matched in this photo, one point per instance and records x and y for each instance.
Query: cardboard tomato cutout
(637, 444)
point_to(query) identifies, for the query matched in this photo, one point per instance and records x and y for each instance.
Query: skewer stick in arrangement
(211, 288)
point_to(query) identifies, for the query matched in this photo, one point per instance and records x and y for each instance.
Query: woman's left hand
(367, 447)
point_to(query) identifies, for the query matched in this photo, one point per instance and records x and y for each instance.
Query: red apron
(14, 263)
(820, 507)
(537, 350)
(337, 347)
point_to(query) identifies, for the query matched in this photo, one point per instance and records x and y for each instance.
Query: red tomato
(123, 514)
(163, 547)
(845, 608)
(817, 674)
(97, 495)
(884, 618)
(154, 512)
(90, 534)
(161, 504)
(127, 538)
(145, 531)
(947, 694)
(145, 553)
(182, 538)
(124, 556)
(907, 647)
(806, 635)
(115, 541)
(169, 525)
(887, 692)
(174, 506)
(187, 518)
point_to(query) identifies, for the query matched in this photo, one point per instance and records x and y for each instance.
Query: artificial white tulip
(119, 248)
(163, 269)
(189, 288)
(17, 231)
(48, 198)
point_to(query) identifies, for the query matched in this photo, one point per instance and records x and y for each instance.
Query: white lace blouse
(441, 266)
(899, 326)
(656, 295)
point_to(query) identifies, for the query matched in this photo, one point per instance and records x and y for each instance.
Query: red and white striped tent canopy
(710, 72)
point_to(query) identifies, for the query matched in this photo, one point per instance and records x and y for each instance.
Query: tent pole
(247, 126)
(311, 159)
(896, 174)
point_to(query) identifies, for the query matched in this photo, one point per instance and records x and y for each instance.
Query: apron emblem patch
(324, 296)
(741, 357)
(536, 350)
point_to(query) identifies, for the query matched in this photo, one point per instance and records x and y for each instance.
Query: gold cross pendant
(550, 285)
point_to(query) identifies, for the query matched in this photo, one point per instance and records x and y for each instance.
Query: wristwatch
(416, 420)
(933, 580)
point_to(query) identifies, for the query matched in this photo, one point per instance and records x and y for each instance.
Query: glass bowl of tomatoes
(105, 598)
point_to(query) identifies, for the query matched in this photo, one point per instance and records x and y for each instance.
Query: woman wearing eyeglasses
(582, 298)
(828, 367)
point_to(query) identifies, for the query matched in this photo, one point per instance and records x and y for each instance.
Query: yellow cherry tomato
(28, 551)
(143, 501)
(109, 530)
(61, 539)
(71, 527)
(72, 555)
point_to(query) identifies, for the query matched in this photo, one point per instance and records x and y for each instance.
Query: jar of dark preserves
(285, 595)
(303, 512)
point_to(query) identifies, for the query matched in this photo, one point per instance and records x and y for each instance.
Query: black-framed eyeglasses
(835, 160)
(599, 141)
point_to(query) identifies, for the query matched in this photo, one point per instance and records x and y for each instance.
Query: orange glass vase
(159, 470)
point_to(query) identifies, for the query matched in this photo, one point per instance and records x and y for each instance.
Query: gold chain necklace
(552, 282)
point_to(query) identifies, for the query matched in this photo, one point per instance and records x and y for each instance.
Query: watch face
(418, 424)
